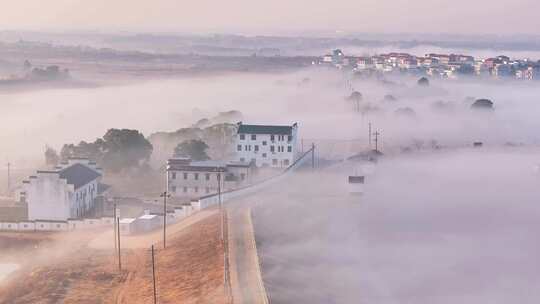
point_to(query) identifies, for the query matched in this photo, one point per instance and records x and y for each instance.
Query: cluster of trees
(194, 149)
(117, 150)
(122, 149)
(52, 72)
(218, 139)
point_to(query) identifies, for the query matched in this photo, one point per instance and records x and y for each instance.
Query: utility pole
(220, 206)
(369, 134)
(154, 275)
(377, 133)
(313, 156)
(165, 195)
(119, 254)
(115, 226)
(8, 177)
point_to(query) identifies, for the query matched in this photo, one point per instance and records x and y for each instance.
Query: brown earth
(190, 270)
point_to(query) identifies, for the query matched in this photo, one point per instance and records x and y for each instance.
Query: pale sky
(275, 16)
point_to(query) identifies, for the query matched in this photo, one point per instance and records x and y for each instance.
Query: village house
(67, 192)
(266, 145)
(191, 179)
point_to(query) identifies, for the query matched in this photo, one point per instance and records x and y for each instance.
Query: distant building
(68, 191)
(191, 179)
(266, 145)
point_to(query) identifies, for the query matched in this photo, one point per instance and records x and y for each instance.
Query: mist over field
(52, 117)
(240, 152)
(449, 227)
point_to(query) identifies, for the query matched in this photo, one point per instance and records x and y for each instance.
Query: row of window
(195, 176)
(195, 189)
(286, 162)
(272, 137)
(256, 148)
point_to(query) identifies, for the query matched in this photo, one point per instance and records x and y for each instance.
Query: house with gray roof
(266, 145)
(187, 179)
(67, 192)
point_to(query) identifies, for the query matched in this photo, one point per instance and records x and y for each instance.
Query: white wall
(245, 149)
(48, 197)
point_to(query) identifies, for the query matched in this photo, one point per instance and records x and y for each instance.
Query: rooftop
(79, 175)
(265, 129)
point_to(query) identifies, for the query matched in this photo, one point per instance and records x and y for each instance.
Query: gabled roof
(264, 129)
(78, 175)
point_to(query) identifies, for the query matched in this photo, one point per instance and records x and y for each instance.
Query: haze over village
(151, 157)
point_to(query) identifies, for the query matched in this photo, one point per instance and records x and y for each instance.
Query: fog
(444, 227)
(34, 119)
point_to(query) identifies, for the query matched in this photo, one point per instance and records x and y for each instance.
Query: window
(242, 159)
(289, 138)
(272, 138)
(173, 175)
(196, 189)
(264, 143)
(185, 189)
(274, 162)
(242, 176)
(286, 162)
(256, 148)
(185, 175)
(239, 148)
(253, 137)
(253, 160)
(289, 149)
(264, 155)
(196, 176)
(207, 190)
(207, 176)
(272, 149)
(173, 188)
(242, 136)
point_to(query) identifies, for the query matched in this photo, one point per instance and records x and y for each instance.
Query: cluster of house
(437, 65)
(256, 146)
(71, 194)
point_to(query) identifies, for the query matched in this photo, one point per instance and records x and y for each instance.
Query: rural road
(246, 280)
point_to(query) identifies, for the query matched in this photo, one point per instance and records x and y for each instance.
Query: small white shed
(128, 226)
(148, 222)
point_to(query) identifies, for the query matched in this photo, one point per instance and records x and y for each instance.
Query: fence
(213, 199)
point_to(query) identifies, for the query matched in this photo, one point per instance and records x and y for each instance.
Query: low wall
(212, 200)
(172, 217)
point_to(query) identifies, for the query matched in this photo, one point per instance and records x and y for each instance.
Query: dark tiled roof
(78, 175)
(102, 188)
(262, 129)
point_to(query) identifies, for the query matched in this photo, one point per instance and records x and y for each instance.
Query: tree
(423, 82)
(119, 149)
(194, 149)
(124, 148)
(51, 157)
(356, 97)
(482, 104)
(389, 97)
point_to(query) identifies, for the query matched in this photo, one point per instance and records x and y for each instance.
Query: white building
(67, 192)
(266, 145)
(192, 179)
